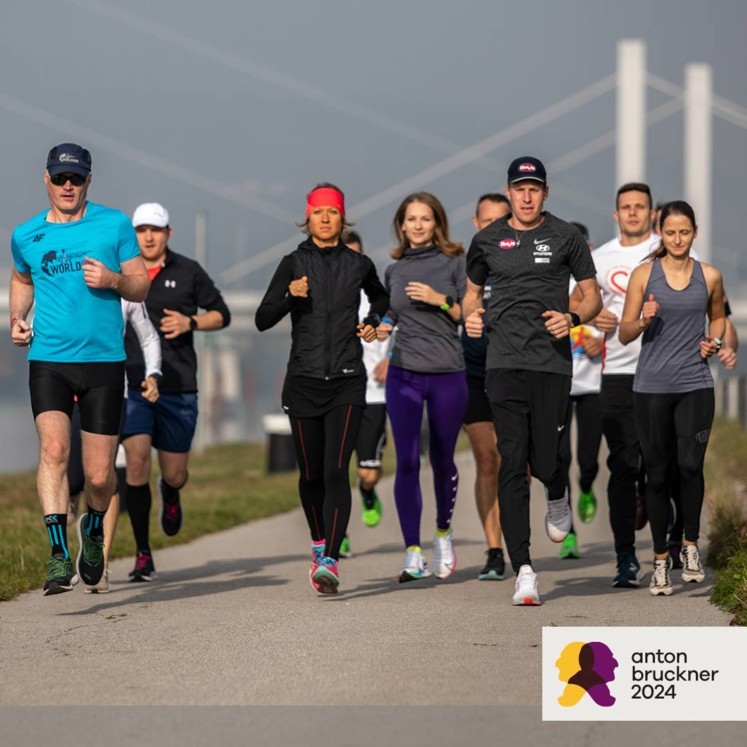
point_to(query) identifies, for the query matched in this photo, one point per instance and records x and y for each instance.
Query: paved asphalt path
(232, 621)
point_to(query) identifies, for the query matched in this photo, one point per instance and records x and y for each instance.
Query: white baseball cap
(150, 214)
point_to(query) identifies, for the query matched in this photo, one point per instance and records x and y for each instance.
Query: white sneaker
(692, 569)
(414, 566)
(527, 588)
(444, 557)
(559, 519)
(661, 582)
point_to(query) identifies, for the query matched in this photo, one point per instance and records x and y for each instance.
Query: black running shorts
(478, 406)
(99, 388)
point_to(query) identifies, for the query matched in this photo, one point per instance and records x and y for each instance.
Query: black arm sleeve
(208, 297)
(277, 301)
(376, 293)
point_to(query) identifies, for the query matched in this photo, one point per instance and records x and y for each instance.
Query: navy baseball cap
(69, 158)
(527, 168)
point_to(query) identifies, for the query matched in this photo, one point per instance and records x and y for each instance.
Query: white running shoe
(692, 568)
(661, 582)
(558, 519)
(527, 588)
(444, 557)
(414, 566)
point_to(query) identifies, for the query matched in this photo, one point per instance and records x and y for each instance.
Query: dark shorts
(478, 406)
(371, 437)
(170, 421)
(99, 388)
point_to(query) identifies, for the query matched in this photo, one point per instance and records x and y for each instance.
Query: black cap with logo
(527, 168)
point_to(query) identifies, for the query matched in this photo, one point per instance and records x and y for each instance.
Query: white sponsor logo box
(643, 674)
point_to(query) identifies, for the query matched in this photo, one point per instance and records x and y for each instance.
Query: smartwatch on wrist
(192, 323)
(575, 319)
(447, 304)
(719, 342)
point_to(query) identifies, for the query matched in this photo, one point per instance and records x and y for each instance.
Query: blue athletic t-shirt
(72, 322)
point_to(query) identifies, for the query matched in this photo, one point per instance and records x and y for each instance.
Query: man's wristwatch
(447, 304)
(575, 319)
(719, 342)
(192, 323)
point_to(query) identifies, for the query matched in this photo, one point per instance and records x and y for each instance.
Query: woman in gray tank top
(668, 300)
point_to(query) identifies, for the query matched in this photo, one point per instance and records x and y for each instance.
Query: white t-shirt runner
(614, 264)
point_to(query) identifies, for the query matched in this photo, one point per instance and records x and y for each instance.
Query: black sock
(138, 506)
(493, 551)
(95, 523)
(57, 530)
(169, 492)
(367, 494)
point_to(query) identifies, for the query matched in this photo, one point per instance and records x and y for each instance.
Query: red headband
(325, 197)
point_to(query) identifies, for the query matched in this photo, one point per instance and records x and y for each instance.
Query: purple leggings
(406, 394)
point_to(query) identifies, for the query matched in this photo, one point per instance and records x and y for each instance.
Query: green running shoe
(59, 575)
(345, 551)
(90, 562)
(569, 548)
(371, 510)
(587, 506)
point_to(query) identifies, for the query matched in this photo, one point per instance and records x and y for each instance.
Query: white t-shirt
(614, 264)
(373, 352)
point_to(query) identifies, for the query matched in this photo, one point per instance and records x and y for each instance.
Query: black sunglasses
(60, 180)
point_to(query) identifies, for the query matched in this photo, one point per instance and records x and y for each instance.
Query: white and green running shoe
(414, 566)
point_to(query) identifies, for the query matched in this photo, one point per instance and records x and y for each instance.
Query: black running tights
(671, 424)
(324, 445)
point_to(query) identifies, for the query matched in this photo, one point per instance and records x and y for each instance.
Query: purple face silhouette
(604, 661)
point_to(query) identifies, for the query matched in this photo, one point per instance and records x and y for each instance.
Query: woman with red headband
(324, 394)
(427, 283)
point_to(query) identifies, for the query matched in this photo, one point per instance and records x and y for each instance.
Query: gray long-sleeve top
(427, 338)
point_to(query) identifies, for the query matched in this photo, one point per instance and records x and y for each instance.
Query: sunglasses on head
(60, 180)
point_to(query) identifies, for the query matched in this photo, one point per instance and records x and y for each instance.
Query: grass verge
(727, 518)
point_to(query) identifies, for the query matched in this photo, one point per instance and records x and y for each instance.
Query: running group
(505, 340)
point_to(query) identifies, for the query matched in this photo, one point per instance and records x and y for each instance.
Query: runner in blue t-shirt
(74, 263)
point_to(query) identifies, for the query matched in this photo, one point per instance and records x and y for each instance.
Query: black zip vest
(325, 345)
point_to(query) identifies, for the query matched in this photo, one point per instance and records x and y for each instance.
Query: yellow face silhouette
(567, 663)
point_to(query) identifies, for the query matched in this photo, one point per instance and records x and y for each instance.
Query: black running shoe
(144, 569)
(495, 566)
(90, 562)
(628, 574)
(59, 575)
(171, 513)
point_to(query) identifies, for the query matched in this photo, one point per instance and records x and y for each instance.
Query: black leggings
(670, 424)
(588, 437)
(324, 445)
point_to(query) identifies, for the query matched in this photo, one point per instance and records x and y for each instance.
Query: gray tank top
(670, 360)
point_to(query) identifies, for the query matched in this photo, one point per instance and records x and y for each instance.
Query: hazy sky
(238, 108)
